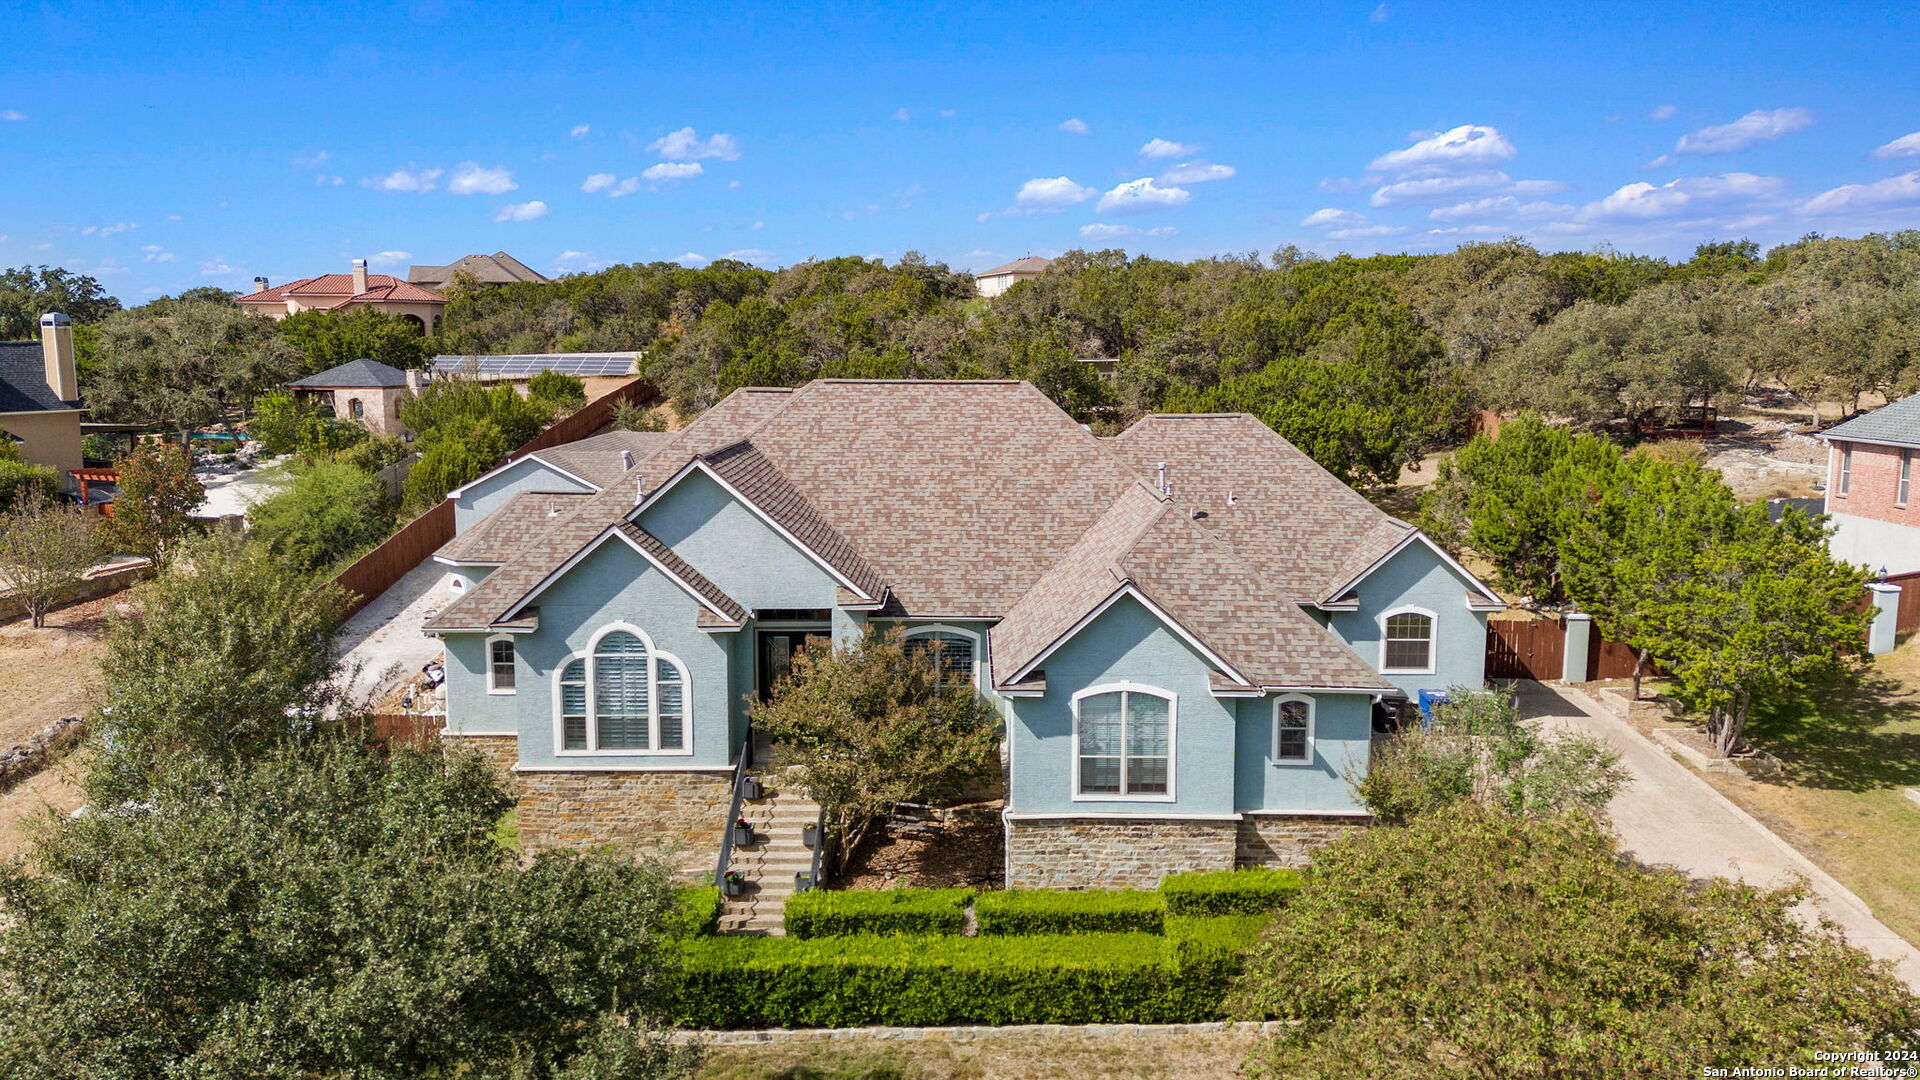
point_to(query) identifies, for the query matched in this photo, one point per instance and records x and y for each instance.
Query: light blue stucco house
(1191, 630)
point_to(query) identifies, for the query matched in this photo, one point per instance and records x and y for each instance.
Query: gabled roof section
(1032, 264)
(1294, 523)
(354, 375)
(1896, 423)
(1148, 549)
(23, 380)
(498, 268)
(596, 459)
(710, 595)
(498, 536)
(316, 291)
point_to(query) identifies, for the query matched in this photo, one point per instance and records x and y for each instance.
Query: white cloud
(1758, 126)
(1045, 195)
(473, 179)
(1688, 194)
(1330, 216)
(1466, 230)
(1107, 232)
(733, 185)
(1160, 149)
(901, 114)
(153, 253)
(1379, 14)
(1197, 172)
(1902, 190)
(1074, 126)
(415, 180)
(1439, 187)
(1499, 206)
(1366, 230)
(756, 226)
(1142, 195)
(216, 268)
(311, 161)
(1163, 230)
(689, 258)
(390, 258)
(599, 181)
(579, 131)
(525, 211)
(669, 170)
(752, 255)
(571, 262)
(687, 145)
(1904, 146)
(108, 230)
(611, 184)
(1465, 146)
(949, 113)
(1537, 187)
(12, 114)
(323, 180)
(1663, 112)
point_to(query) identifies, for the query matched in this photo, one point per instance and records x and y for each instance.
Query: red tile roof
(314, 291)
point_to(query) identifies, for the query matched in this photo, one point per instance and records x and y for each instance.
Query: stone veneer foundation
(502, 751)
(1116, 853)
(679, 813)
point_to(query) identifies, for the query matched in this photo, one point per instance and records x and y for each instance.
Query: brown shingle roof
(746, 470)
(1032, 264)
(729, 608)
(498, 536)
(596, 459)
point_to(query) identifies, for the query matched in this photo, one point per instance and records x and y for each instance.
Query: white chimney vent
(359, 276)
(56, 351)
(260, 284)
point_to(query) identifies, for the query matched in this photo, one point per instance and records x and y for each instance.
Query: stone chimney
(260, 284)
(56, 346)
(359, 276)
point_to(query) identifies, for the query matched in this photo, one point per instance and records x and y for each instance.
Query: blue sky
(186, 144)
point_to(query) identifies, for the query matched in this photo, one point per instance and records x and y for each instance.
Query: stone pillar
(1886, 616)
(1573, 661)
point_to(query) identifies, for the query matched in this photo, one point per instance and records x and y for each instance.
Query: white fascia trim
(1370, 691)
(442, 631)
(593, 546)
(444, 561)
(1308, 813)
(1129, 589)
(1104, 816)
(936, 618)
(1021, 693)
(1254, 693)
(698, 465)
(622, 768)
(43, 412)
(1869, 442)
(535, 456)
(1473, 582)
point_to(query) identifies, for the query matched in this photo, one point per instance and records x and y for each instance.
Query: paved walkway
(384, 637)
(1669, 815)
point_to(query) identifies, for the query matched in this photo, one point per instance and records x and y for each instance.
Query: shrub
(819, 913)
(1228, 892)
(1472, 943)
(695, 913)
(732, 982)
(331, 511)
(17, 479)
(153, 513)
(1047, 911)
(558, 391)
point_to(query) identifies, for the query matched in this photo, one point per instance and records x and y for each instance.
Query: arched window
(1293, 730)
(356, 408)
(1123, 742)
(1406, 641)
(624, 696)
(954, 651)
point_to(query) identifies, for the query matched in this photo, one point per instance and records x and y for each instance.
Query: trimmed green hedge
(1228, 892)
(696, 912)
(739, 982)
(1052, 911)
(819, 913)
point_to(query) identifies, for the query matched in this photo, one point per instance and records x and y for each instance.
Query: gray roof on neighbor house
(23, 380)
(1897, 422)
(498, 268)
(1032, 264)
(355, 374)
(983, 499)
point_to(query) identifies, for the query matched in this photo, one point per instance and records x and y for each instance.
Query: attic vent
(626, 460)
(1166, 488)
(1232, 499)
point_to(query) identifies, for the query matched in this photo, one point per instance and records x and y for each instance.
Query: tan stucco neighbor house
(498, 268)
(1001, 278)
(40, 398)
(337, 292)
(367, 392)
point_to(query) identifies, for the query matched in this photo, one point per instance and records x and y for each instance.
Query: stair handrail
(733, 815)
(819, 845)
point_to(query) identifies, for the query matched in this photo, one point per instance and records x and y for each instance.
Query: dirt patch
(1184, 1056)
(31, 806)
(51, 672)
(967, 849)
(1764, 458)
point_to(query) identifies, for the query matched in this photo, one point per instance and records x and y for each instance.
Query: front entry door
(776, 653)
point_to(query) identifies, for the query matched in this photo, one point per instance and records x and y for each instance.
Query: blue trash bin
(1428, 699)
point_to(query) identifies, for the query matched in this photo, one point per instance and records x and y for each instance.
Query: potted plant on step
(802, 880)
(750, 787)
(733, 884)
(742, 833)
(810, 834)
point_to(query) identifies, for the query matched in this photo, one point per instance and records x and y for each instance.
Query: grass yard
(1021, 1056)
(1843, 800)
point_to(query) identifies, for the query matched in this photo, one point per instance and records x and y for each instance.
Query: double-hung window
(500, 667)
(1124, 742)
(624, 696)
(1905, 486)
(1406, 643)
(1846, 470)
(1293, 730)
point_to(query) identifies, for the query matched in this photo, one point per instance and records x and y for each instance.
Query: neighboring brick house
(367, 392)
(1190, 628)
(420, 307)
(40, 398)
(1873, 490)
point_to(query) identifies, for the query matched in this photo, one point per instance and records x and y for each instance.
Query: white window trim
(653, 700)
(487, 659)
(1845, 480)
(1903, 479)
(1173, 728)
(957, 631)
(1313, 710)
(1433, 641)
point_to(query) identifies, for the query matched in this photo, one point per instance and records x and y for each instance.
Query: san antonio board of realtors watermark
(1833, 1064)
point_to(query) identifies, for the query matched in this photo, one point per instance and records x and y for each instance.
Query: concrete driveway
(1670, 816)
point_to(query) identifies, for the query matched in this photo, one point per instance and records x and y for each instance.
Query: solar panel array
(508, 367)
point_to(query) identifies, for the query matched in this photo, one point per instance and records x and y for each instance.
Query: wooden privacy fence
(378, 570)
(1908, 617)
(399, 729)
(1537, 649)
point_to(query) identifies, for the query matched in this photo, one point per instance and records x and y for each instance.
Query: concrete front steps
(769, 863)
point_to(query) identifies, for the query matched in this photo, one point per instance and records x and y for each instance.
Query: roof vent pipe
(639, 490)
(626, 460)
(1166, 491)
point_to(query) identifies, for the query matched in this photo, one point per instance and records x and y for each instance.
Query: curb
(966, 1034)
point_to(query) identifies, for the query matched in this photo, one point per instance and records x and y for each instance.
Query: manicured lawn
(1849, 756)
